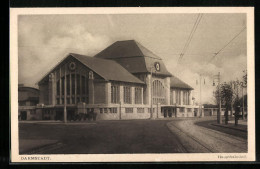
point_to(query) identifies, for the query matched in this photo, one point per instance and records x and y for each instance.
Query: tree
(245, 78)
(227, 95)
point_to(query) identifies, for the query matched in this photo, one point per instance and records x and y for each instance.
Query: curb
(228, 127)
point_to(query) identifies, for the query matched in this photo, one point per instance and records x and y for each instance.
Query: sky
(43, 40)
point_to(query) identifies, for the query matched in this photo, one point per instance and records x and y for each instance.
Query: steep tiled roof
(177, 83)
(124, 49)
(133, 56)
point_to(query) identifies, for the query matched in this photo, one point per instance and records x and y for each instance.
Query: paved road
(132, 136)
(197, 139)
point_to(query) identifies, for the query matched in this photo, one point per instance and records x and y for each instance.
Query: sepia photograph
(131, 84)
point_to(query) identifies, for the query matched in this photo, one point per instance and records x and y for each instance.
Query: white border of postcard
(190, 157)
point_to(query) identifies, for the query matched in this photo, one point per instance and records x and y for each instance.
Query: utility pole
(219, 95)
(201, 114)
(219, 117)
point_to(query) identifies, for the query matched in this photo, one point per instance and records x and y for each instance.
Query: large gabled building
(124, 81)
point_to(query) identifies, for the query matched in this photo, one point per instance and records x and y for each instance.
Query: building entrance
(168, 112)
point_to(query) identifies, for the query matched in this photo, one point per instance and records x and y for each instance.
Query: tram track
(226, 135)
(189, 141)
(209, 149)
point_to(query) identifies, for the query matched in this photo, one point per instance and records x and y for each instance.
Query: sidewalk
(242, 125)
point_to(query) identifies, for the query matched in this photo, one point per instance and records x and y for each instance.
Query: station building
(123, 81)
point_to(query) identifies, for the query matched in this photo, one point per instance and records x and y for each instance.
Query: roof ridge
(157, 57)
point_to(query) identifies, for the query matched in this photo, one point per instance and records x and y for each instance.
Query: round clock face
(157, 66)
(72, 66)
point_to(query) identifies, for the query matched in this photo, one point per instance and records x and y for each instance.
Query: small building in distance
(28, 98)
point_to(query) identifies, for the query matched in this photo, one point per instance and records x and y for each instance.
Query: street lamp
(217, 77)
(201, 113)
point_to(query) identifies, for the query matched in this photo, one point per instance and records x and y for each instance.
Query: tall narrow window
(58, 87)
(78, 84)
(114, 94)
(83, 85)
(138, 95)
(68, 84)
(171, 97)
(62, 85)
(73, 84)
(127, 95)
(158, 92)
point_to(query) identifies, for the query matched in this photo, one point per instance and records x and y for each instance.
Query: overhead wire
(215, 54)
(194, 28)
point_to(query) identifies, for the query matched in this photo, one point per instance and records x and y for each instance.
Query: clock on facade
(72, 66)
(157, 66)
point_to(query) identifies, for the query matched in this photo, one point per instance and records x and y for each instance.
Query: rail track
(203, 146)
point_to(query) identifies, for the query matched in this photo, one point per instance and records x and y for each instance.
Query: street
(129, 136)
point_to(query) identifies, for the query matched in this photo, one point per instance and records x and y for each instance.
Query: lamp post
(201, 113)
(219, 117)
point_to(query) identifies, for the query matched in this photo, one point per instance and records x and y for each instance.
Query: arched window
(76, 89)
(158, 92)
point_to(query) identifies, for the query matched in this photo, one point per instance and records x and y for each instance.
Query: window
(78, 84)
(171, 97)
(105, 110)
(158, 92)
(83, 81)
(22, 103)
(114, 110)
(58, 88)
(178, 96)
(72, 100)
(140, 110)
(138, 95)
(182, 110)
(75, 85)
(62, 85)
(68, 84)
(127, 95)
(114, 94)
(185, 97)
(129, 110)
(83, 99)
(101, 110)
(58, 100)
